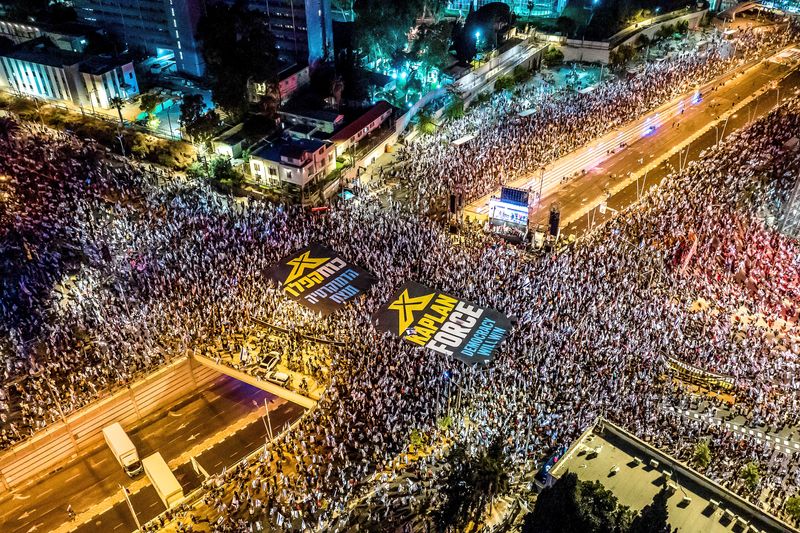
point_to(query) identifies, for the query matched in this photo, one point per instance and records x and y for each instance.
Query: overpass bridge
(731, 12)
(271, 388)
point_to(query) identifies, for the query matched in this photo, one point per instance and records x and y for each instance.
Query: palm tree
(792, 507)
(118, 103)
(490, 476)
(702, 454)
(750, 475)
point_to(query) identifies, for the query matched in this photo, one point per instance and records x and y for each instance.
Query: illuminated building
(303, 29)
(522, 8)
(37, 68)
(158, 27)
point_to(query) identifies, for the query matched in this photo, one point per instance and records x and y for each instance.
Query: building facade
(37, 69)
(521, 8)
(158, 27)
(350, 135)
(106, 78)
(299, 162)
(303, 29)
(290, 80)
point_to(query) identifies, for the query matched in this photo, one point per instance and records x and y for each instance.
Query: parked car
(267, 364)
(278, 378)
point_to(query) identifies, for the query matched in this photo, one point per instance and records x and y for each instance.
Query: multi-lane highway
(582, 179)
(579, 201)
(218, 426)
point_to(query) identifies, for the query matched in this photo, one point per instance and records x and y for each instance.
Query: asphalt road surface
(574, 198)
(675, 122)
(233, 449)
(96, 475)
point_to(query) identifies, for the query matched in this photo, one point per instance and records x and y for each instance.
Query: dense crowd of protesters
(517, 134)
(109, 269)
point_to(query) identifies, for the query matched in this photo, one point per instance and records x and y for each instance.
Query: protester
(111, 268)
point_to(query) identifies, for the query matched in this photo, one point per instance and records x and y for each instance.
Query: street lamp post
(130, 506)
(269, 421)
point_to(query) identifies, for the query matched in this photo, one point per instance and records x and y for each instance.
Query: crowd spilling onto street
(517, 133)
(111, 268)
(594, 326)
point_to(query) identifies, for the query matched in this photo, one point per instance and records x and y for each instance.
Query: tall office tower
(303, 29)
(159, 27)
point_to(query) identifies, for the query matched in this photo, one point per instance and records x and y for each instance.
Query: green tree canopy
(553, 56)
(472, 483)
(750, 475)
(382, 26)
(192, 108)
(654, 517)
(702, 454)
(237, 46)
(432, 45)
(792, 507)
(200, 125)
(148, 102)
(202, 130)
(572, 505)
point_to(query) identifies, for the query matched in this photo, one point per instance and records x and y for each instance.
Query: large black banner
(443, 323)
(319, 279)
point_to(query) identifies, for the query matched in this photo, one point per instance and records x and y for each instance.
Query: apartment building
(157, 27)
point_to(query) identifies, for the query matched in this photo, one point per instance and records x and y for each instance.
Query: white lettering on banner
(455, 329)
(469, 309)
(296, 288)
(467, 321)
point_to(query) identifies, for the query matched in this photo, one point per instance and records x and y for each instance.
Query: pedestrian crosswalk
(770, 439)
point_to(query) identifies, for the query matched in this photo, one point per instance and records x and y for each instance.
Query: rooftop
(635, 471)
(317, 114)
(289, 70)
(42, 52)
(361, 122)
(292, 149)
(98, 65)
(232, 136)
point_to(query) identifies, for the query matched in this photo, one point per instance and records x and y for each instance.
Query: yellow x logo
(303, 262)
(405, 306)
